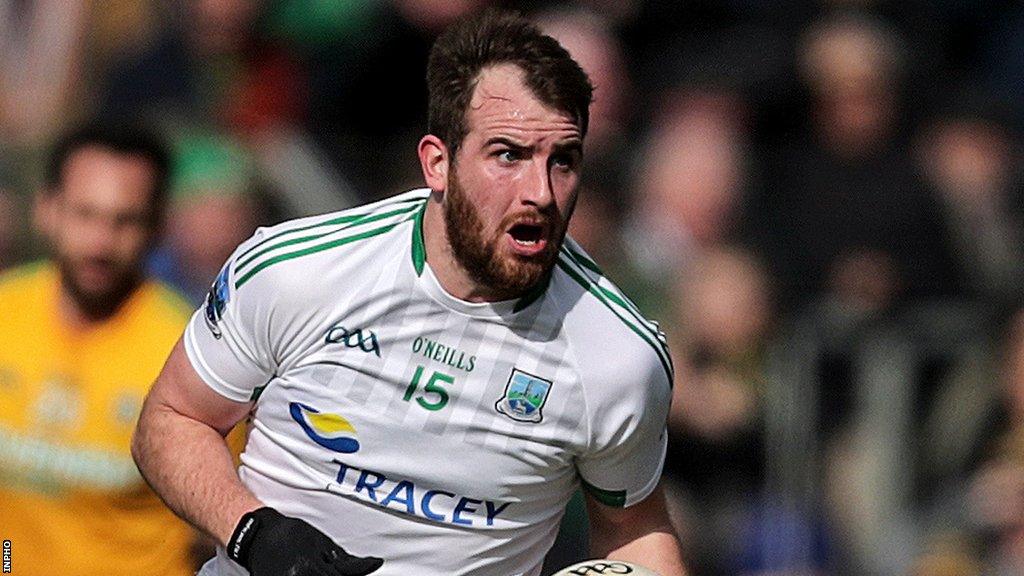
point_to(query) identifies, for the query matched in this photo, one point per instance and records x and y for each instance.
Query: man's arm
(180, 449)
(641, 534)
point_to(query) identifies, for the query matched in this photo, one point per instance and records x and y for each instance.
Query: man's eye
(509, 156)
(125, 220)
(566, 161)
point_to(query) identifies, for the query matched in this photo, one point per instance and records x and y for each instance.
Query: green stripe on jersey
(364, 219)
(419, 247)
(585, 261)
(660, 351)
(314, 249)
(616, 297)
(343, 219)
(582, 259)
(613, 498)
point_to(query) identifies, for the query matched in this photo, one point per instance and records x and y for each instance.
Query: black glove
(268, 543)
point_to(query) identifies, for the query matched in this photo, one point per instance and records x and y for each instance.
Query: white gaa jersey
(443, 436)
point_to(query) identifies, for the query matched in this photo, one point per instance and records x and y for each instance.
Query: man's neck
(76, 316)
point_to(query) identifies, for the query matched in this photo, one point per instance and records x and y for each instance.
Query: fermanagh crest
(525, 395)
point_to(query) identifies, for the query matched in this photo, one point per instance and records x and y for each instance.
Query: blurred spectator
(846, 212)
(216, 68)
(211, 67)
(947, 557)
(690, 184)
(589, 40)
(41, 52)
(971, 159)
(721, 328)
(995, 495)
(716, 451)
(9, 229)
(352, 77)
(213, 210)
(83, 337)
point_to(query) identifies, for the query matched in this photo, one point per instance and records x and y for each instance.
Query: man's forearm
(658, 551)
(642, 534)
(188, 464)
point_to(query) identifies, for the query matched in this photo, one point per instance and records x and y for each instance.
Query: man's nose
(536, 188)
(99, 234)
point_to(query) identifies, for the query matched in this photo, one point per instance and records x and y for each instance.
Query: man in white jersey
(429, 377)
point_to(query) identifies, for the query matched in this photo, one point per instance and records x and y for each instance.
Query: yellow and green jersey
(71, 500)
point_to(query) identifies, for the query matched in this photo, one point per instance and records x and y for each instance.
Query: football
(605, 567)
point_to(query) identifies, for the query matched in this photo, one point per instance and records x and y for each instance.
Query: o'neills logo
(358, 338)
(445, 354)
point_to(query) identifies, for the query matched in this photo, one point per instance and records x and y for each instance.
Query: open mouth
(528, 239)
(527, 234)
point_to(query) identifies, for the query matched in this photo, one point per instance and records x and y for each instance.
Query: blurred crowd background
(820, 200)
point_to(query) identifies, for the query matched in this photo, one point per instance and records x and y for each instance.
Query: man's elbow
(138, 442)
(142, 436)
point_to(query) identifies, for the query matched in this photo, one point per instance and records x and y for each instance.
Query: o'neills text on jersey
(441, 353)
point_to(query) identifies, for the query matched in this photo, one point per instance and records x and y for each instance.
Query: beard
(507, 275)
(102, 303)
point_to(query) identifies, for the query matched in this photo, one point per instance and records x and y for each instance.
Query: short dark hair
(500, 37)
(123, 139)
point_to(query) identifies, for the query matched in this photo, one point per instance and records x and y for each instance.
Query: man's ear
(434, 161)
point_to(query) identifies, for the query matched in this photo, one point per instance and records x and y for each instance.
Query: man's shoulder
(164, 302)
(607, 331)
(289, 243)
(27, 279)
(403, 203)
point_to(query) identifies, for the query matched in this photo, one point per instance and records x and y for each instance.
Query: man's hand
(268, 543)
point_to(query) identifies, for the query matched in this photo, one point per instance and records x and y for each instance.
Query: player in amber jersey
(81, 339)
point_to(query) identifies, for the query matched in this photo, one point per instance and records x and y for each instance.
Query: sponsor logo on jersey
(441, 353)
(408, 497)
(216, 300)
(364, 340)
(525, 395)
(332, 431)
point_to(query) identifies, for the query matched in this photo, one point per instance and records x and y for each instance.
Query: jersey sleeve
(228, 339)
(628, 435)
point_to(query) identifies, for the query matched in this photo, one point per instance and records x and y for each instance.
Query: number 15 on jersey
(434, 396)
